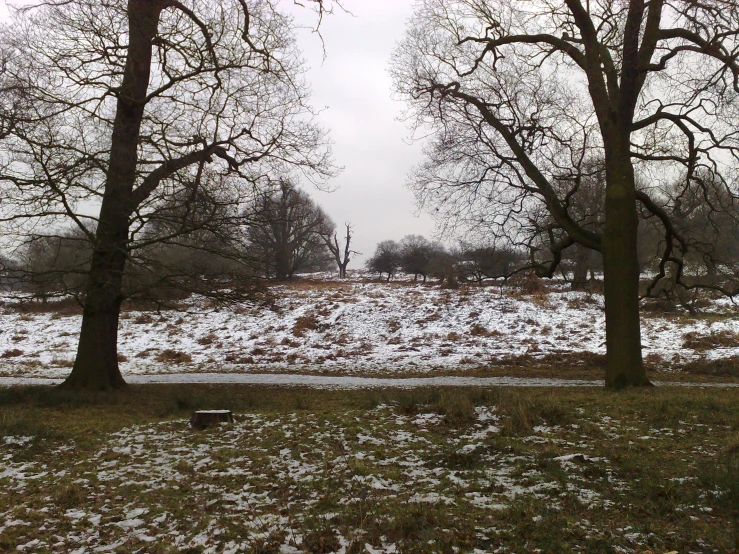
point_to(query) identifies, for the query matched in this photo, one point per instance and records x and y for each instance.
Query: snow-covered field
(358, 328)
(378, 481)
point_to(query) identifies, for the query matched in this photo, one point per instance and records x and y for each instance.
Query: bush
(528, 283)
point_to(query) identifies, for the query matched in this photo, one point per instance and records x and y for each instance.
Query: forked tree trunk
(624, 365)
(96, 365)
(332, 243)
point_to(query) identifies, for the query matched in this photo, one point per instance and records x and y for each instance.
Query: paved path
(346, 382)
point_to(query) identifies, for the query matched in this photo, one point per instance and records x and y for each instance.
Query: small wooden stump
(203, 418)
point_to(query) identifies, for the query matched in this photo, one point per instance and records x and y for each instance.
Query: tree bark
(282, 264)
(580, 271)
(624, 365)
(96, 364)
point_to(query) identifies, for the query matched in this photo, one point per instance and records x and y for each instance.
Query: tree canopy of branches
(285, 231)
(112, 108)
(488, 262)
(528, 98)
(52, 266)
(416, 253)
(386, 258)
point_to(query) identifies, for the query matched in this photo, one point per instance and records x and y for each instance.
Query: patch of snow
(362, 328)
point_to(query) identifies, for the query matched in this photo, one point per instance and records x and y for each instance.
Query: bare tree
(341, 256)
(386, 259)
(443, 264)
(490, 262)
(522, 93)
(416, 253)
(285, 230)
(191, 243)
(130, 101)
(50, 266)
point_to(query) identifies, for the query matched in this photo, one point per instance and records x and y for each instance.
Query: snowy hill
(363, 327)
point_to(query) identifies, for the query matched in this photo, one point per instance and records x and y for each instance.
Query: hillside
(361, 326)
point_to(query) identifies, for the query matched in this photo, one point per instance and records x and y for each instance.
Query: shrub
(528, 283)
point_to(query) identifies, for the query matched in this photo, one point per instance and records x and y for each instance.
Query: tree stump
(203, 418)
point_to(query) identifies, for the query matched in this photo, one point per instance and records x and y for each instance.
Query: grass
(423, 470)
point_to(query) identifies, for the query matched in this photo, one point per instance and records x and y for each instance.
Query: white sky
(353, 84)
(369, 141)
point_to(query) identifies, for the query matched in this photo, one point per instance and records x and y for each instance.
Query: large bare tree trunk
(282, 263)
(96, 365)
(624, 365)
(582, 259)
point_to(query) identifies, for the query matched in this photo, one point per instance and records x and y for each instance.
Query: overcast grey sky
(354, 84)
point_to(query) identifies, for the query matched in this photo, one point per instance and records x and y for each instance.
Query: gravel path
(348, 382)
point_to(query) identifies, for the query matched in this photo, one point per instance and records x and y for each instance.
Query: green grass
(425, 470)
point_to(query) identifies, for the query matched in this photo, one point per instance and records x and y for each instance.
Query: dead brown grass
(316, 284)
(62, 362)
(700, 342)
(477, 330)
(722, 367)
(308, 322)
(210, 338)
(174, 357)
(66, 307)
(528, 283)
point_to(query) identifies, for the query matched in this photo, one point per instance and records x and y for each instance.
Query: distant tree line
(417, 256)
(194, 244)
(712, 257)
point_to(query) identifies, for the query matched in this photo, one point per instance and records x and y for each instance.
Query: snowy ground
(360, 328)
(376, 481)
